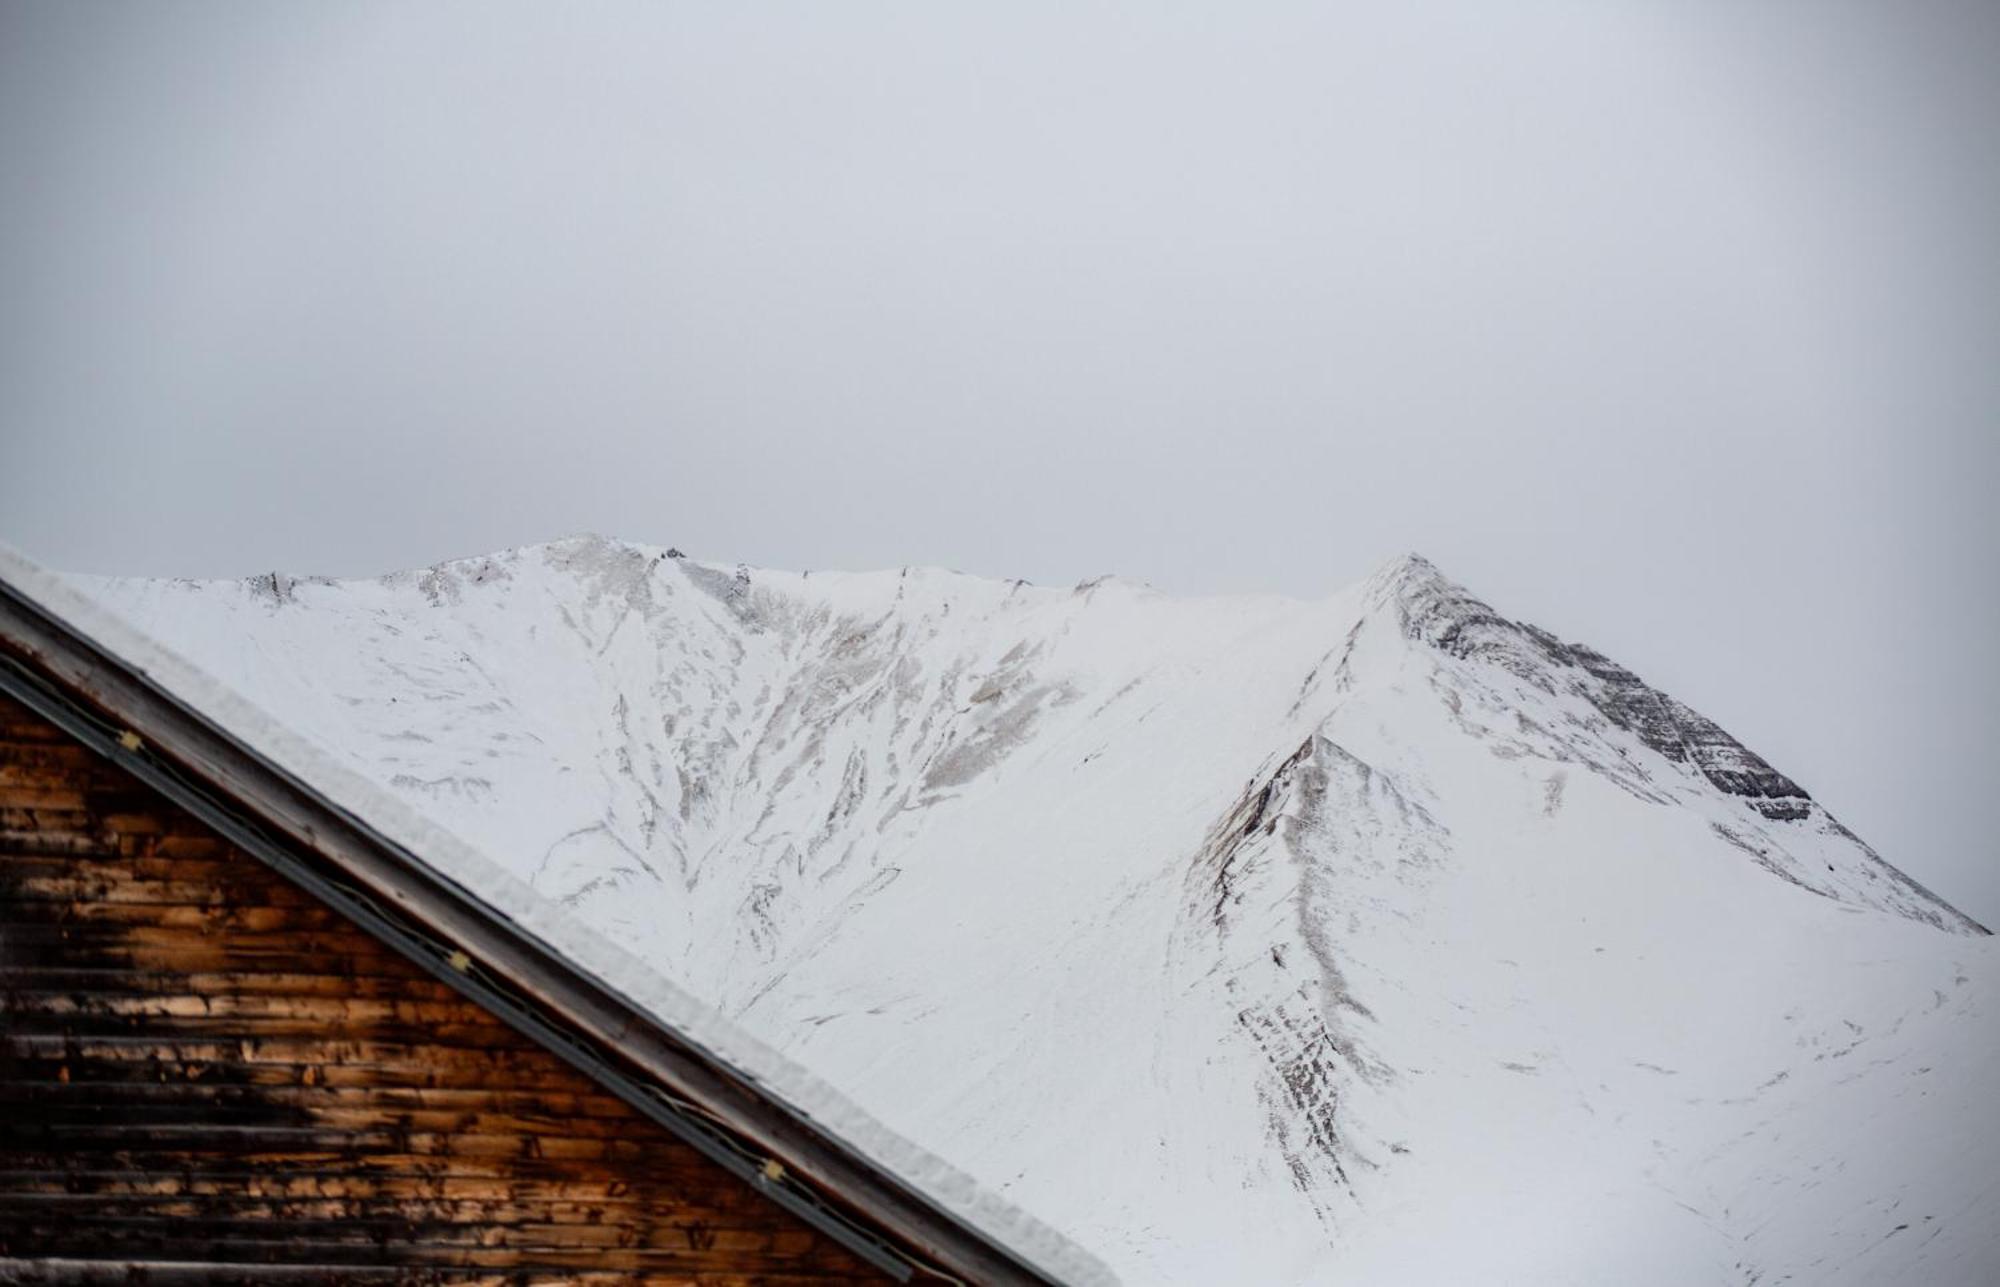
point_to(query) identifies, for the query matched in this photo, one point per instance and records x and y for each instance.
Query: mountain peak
(1331, 910)
(1431, 607)
(1404, 569)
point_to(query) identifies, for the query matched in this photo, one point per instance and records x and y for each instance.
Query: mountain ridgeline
(1377, 937)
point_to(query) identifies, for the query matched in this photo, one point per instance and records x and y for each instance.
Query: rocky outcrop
(1436, 611)
(1680, 733)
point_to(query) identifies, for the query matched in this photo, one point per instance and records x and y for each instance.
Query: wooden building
(244, 1037)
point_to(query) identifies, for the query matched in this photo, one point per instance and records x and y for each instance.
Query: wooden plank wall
(201, 1065)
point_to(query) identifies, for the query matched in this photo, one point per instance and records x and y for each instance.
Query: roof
(479, 928)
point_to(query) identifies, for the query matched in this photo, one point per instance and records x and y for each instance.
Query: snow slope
(1377, 938)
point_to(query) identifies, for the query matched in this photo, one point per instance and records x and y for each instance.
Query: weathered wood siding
(202, 1065)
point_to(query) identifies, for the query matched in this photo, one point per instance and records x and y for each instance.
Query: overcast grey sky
(1674, 327)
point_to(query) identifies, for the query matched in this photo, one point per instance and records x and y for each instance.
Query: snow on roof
(640, 984)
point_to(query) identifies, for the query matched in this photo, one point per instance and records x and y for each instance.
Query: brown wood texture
(206, 1072)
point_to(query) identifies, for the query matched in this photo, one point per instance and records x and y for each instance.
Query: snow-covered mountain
(1373, 939)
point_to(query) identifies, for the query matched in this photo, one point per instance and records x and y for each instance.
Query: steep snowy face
(1538, 667)
(1374, 938)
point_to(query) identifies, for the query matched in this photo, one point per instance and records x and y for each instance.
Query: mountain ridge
(1324, 913)
(1449, 617)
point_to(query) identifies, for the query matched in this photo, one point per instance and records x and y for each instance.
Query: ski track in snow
(1376, 938)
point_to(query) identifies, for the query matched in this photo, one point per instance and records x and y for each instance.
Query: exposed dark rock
(1680, 733)
(1449, 618)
